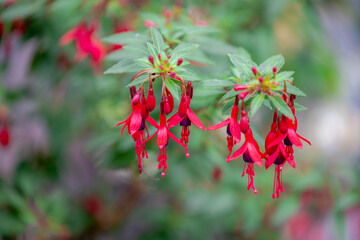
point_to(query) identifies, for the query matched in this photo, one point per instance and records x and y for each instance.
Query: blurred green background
(67, 174)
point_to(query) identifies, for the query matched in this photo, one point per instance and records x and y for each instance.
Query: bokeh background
(67, 174)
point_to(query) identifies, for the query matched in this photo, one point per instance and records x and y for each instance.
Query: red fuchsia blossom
(287, 132)
(251, 154)
(87, 43)
(136, 124)
(163, 134)
(276, 155)
(232, 127)
(185, 116)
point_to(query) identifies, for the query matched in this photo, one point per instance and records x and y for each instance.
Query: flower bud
(243, 94)
(171, 99)
(261, 80)
(253, 69)
(144, 111)
(151, 60)
(159, 56)
(172, 74)
(179, 61)
(183, 106)
(150, 100)
(274, 70)
(136, 98)
(240, 87)
(132, 91)
(189, 89)
(167, 13)
(167, 106)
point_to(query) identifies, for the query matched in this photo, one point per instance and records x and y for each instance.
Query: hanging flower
(232, 127)
(251, 154)
(163, 135)
(185, 116)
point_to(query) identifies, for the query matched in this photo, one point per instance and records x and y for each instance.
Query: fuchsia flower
(287, 132)
(251, 153)
(163, 135)
(185, 116)
(86, 44)
(232, 127)
(136, 123)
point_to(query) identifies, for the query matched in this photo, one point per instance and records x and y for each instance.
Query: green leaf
(217, 83)
(229, 94)
(256, 103)
(20, 10)
(267, 103)
(157, 39)
(283, 75)
(274, 61)
(282, 106)
(125, 66)
(137, 81)
(173, 88)
(226, 110)
(126, 38)
(294, 90)
(153, 52)
(243, 65)
(299, 107)
(190, 76)
(181, 51)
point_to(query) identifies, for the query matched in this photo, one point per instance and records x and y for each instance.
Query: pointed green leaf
(173, 88)
(226, 110)
(137, 81)
(282, 106)
(243, 65)
(153, 52)
(157, 39)
(228, 95)
(217, 83)
(256, 104)
(283, 75)
(274, 61)
(299, 107)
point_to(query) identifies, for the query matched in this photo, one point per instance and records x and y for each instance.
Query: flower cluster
(279, 142)
(163, 68)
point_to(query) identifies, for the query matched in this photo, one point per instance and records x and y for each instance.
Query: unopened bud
(189, 89)
(172, 74)
(159, 56)
(179, 61)
(240, 87)
(132, 91)
(167, 13)
(243, 94)
(168, 56)
(253, 69)
(167, 106)
(274, 70)
(261, 80)
(151, 60)
(136, 98)
(150, 100)
(171, 99)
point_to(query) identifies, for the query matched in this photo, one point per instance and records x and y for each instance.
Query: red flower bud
(167, 13)
(261, 80)
(136, 98)
(167, 106)
(183, 106)
(240, 87)
(150, 100)
(244, 122)
(132, 91)
(243, 94)
(179, 62)
(217, 174)
(171, 99)
(189, 89)
(253, 69)
(159, 56)
(168, 56)
(274, 69)
(151, 60)
(144, 111)
(172, 74)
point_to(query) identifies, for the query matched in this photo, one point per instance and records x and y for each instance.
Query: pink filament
(277, 181)
(251, 173)
(185, 138)
(162, 160)
(140, 147)
(230, 144)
